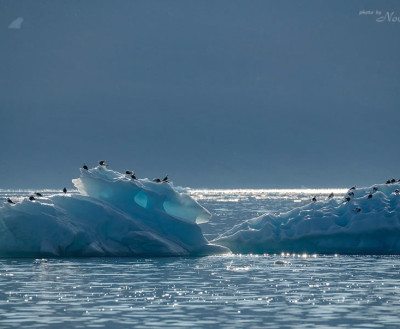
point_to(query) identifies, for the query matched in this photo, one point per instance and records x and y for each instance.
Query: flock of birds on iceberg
(113, 214)
(101, 163)
(117, 214)
(366, 221)
(350, 193)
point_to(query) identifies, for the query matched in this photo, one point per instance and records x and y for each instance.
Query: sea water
(233, 291)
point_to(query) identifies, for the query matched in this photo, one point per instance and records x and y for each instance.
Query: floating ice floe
(112, 215)
(368, 222)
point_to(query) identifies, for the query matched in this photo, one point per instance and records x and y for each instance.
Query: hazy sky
(214, 93)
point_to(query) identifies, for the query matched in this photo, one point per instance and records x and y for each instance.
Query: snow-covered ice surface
(369, 223)
(112, 215)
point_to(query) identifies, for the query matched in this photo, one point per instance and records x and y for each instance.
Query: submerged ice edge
(112, 215)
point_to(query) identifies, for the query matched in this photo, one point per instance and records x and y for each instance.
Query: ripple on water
(225, 292)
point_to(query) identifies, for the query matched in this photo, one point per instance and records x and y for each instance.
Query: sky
(217, 94)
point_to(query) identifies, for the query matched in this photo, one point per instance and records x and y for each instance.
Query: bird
(350, 193)
(85, 167)
(38, 194)
(10, 201)
(157, 180)
(375, 188)
(393, 180)
(65, 190)
(314, 199)
(165, 179)
(352, 188)
(397, 191)
(128, 172)
(357, 209)
(102, 163)
(369, 196)
(133, 176)
(330, 196)
(388, 181)
(347, 199)
(32, 198)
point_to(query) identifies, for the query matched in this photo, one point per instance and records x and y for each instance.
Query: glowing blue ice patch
(141, 199)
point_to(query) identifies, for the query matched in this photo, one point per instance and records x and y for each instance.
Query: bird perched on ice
(133, 176)
(10, 201)
(65, 190)
(369, 196)
(157, 180)
(347, 199)
(128, 172)
(85, 167)
(374, 188)
(350, 193)
(352, 188)
(165, 179)
(38, 194)
(32, 198)
(314, 199)
(330, 196)
(103, 163)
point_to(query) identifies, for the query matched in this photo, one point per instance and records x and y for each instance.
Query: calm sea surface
(237, 291)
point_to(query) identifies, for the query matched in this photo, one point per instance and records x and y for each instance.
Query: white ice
(113, 215)
(364, 225)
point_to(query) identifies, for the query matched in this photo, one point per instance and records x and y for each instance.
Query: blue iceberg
(367, 221)
(112, 215)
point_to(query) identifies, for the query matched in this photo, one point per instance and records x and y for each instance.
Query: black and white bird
(165, 179)
(32, 198)
(369, 196)
(10, 201)
(38, 194)
(103, 163)
(331, 195)
(133, 176)
(314, 199)
(65, 190)
(157, 180)
(85, 167)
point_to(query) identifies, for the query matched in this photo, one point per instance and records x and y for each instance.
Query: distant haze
(263, 94)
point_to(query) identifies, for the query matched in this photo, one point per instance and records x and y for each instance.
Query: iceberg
(112, 215)
(366, 221)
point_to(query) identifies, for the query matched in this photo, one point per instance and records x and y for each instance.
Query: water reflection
(230, 291)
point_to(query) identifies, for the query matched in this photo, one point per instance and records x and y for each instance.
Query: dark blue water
(236, 291)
